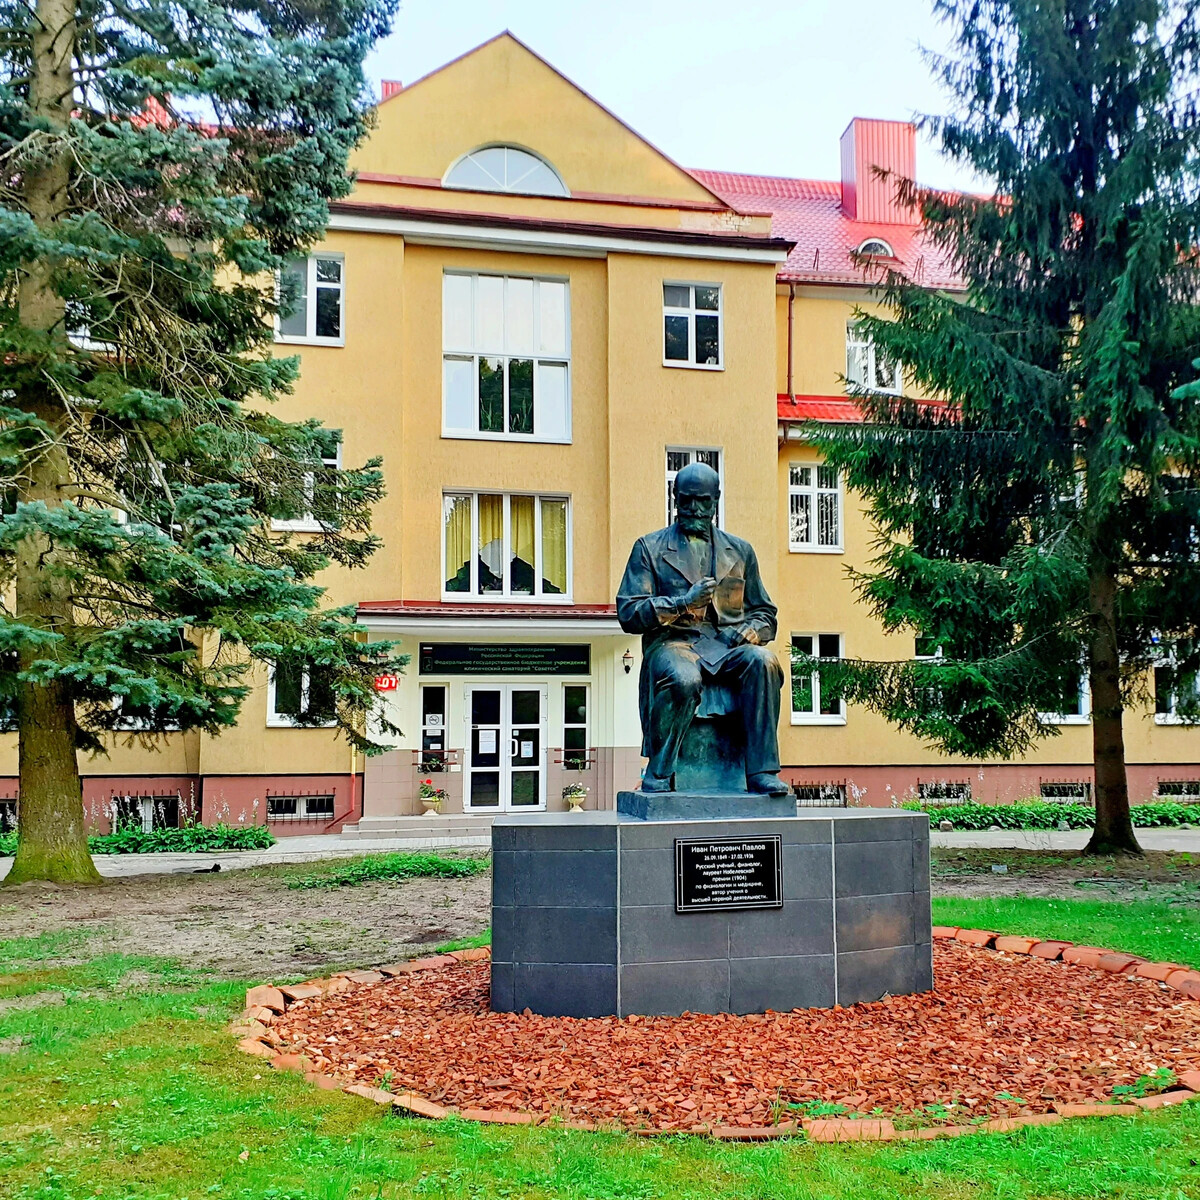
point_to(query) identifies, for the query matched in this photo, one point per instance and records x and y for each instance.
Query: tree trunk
(1113, 833)
(52, 841)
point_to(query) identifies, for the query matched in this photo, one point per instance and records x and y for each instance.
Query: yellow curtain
(554, 547)
(457, 518)
(522, 555)
(491, 543)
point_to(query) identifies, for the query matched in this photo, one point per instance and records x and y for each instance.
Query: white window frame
(302, 813)
(504, 187)
(586, 726)
(1189, 796)
(816, 716)
(278, 720)
(691, 452)
(474, 596)
(856, 342)
(1172, 717)
(463, 353)
(310, 337)
(887, 251)
(308, 523)
(935, 785)
(691, 312)
(139, 724)
(814, 492)
(1084, 716)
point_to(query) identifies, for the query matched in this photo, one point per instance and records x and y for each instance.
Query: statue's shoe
(652, 783)
(767, 784)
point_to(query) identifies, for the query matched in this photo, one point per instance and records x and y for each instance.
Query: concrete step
(439, 825)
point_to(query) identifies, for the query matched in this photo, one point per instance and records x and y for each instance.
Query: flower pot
(432, 805)
(575, 803)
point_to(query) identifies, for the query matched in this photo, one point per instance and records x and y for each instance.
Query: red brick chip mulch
(1000, 1036)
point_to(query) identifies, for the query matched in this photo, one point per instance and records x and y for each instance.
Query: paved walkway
(309, 848)
(304, 848)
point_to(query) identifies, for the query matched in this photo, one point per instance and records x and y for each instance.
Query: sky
(761, 86)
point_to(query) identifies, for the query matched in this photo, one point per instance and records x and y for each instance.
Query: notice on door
(711, 876)
(487, 741)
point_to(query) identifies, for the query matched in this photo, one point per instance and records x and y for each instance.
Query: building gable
(502, 93)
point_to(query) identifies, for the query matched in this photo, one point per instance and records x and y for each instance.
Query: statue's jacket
(657, 575)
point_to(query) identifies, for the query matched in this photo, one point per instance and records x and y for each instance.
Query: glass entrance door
(506, 747)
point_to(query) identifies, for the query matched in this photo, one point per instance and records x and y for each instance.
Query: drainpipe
(791, 305)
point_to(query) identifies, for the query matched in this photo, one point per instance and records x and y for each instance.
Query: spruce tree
(159, 163)
(1039, 516)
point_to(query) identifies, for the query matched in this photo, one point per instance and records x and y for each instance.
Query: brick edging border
(265, 1002)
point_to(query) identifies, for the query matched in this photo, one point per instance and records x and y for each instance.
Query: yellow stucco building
(535, 317)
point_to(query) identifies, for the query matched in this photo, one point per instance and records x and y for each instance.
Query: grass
(126, 1085)
(376, 867)
(1166, 931)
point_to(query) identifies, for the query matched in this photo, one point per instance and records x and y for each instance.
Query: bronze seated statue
(695, 595)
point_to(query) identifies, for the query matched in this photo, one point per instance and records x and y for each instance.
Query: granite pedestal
(584, 922)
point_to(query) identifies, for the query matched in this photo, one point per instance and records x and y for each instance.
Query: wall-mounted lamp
(627, 661)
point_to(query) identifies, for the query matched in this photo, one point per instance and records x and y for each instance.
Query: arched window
(875, 248)
(505, 169)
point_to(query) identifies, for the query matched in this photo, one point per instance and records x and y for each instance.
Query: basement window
(299, 808)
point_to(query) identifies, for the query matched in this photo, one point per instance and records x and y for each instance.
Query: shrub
(191, 839)
(1040, 814)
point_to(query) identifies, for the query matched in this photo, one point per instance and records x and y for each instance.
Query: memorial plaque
(725, 873)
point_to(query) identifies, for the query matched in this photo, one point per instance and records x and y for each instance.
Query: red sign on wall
(387, 683)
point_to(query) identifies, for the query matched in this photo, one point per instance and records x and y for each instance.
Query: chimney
(390, 88)
(867, 144)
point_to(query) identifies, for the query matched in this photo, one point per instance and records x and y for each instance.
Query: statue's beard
(695, 526)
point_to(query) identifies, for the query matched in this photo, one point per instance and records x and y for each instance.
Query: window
(1184, 791)
(433, 728)
(1075, 707)
(943, 791)
(311, 300)
(299, 695)
(1067, 792)
(317, 483)
(1176, 691)
(299, 808)
(505, 169)
(141, 718)
(868, 368)
(8, 815)
(814, 508)
(575, 727)
(505, 357)
(875, 248)
(677, 459)
(146, 813)
(927, 649)
(692, 325)
(505, 546)
(820, 795)
(809, 707)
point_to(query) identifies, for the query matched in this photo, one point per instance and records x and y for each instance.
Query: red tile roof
(809, 212)
(452, 608)
(817, 408)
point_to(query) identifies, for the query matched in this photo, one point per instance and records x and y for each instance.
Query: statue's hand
(746, 635)
(699, 594)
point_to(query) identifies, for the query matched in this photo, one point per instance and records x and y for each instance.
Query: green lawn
(191, 1119)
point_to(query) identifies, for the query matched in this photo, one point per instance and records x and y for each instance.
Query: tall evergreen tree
(159, 161)
(1040, 516)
